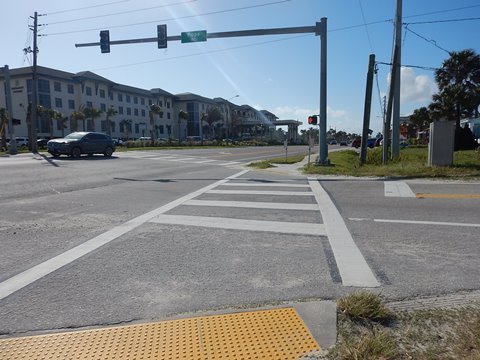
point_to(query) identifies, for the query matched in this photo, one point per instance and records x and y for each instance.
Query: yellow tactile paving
(447, 196)
(270, 334)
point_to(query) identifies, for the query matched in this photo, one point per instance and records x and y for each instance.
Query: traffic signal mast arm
(276, 31)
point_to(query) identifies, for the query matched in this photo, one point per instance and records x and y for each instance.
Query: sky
(279, 73)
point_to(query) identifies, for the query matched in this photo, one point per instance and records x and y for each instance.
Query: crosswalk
(178, 158)
(311, 213)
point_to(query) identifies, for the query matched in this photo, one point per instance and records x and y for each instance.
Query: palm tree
(53, 115)
(459, 85)
(3, 125)
(212, 115)
(74, 117)
(126, 124)
(92, 113)
(110, 112)
(182, 115)
(153, 109)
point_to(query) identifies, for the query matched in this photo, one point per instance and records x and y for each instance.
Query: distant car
(22, 142)
(144, 138)
(343, 143)
(118, 142)
(333, 142)
(78, 143)
(194, 138)
(42, 143)
(356, 143)
(378, 141)
(371, 143)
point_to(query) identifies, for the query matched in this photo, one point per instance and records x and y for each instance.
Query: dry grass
(437, 334)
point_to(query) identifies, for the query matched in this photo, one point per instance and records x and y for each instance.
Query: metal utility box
(441, 143)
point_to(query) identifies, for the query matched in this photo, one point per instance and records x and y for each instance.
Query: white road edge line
(351, 264)
(398, 189)
(242, 224)
(417, 222)
(266, 185)
(37, 272)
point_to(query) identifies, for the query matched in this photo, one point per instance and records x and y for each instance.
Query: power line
(173, 19)
(201, 53)
(409, 66)
(441, 21)
(442, 11)
(86, 7)
(366, 27)
(430, 41)
(119, 13)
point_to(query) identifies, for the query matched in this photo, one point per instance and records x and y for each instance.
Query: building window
(143, 113)
(44, 86)
(58, 103)
(127, 98)
(129, 111)
(168, 115)
(57, 86)
(71, 104)
(120, 97)
(142, 101)
(135, 99)
(90, 125)
(137, 128)
(88, 91)
(120, 110)
(70, 88)
(161, 114)
(89, 104)
(160, 128)
(102, 93)
(103, 107)
(168, 104)
(160, 103)
(135, 112)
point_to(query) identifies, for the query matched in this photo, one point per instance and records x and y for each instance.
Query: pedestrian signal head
(312, 120)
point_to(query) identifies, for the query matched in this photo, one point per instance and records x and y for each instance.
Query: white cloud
(415, 88)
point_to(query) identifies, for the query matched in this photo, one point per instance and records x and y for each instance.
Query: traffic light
(104, 41)
(162, 36)
(312, 120)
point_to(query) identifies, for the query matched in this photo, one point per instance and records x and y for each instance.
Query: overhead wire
(175, 18)
(430, 41)
(121, 12)
(366, 27)
(86, 7)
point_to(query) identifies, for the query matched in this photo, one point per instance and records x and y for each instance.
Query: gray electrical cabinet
(441, 143)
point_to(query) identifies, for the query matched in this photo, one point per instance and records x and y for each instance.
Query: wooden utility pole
(397, 69)
(367, 108)
(34, 118)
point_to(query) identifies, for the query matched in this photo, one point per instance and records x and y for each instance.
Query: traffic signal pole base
(325, 162)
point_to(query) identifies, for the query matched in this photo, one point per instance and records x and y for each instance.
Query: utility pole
(388, 116)
(397, 70)
(323, 146)
(367, 108)
(11, 133)
(34, 119)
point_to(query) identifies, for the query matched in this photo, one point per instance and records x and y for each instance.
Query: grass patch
(364, 305)
(436, 334)
(412, 162)
(268, 163)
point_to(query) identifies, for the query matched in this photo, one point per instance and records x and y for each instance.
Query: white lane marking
(183, 159)
(35, 273)
(398, 189)
(240, 224)
(352, 266)
(229, 163)
(417, 222)
(266, 185)
(253, 204)
(205, 161)
(258, 192)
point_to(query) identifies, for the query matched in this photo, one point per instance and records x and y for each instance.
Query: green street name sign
(194, 36)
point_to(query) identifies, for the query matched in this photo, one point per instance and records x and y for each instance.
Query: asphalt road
(146, 234)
